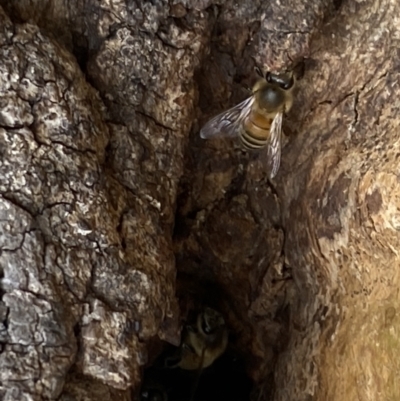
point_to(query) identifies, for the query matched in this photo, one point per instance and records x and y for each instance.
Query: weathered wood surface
(106, 189)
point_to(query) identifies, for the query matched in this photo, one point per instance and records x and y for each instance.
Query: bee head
(211, 320)
(283, 81)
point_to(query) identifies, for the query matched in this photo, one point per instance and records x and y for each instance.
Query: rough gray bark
(101, 161)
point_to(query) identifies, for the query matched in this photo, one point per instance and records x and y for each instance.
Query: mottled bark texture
(103, 178)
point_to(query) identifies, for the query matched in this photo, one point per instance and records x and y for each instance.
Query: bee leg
(248, 89)
(188, 347)
(172, 361)
(191, 329)
(259, 71)
(175, 359)
(198, 374)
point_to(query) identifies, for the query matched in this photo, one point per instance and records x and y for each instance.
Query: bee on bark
(202, 344)
(257, 121)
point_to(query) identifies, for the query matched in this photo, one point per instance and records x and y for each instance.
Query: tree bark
(111, 204)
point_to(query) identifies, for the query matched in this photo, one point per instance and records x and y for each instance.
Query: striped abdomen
(255, 130)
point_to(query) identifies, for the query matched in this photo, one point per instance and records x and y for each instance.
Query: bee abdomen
(249, 142)
(255, 132)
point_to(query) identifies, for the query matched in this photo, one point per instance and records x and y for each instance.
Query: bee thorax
(271, 99)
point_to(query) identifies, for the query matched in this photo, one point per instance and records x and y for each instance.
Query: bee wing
(227, 123)
(274, 145)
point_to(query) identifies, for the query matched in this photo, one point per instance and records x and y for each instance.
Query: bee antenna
(288, 56)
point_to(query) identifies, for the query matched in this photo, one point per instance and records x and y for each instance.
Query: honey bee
(257, 121)
(204, 342)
